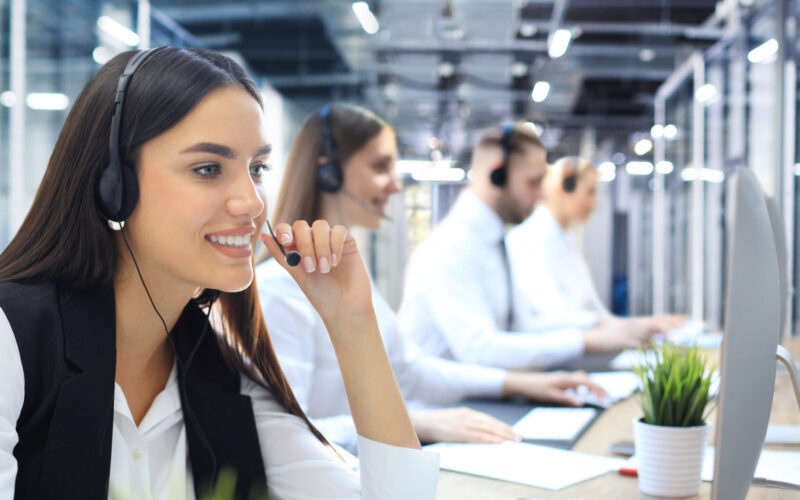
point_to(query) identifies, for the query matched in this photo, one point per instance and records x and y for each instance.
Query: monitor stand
(785, 358)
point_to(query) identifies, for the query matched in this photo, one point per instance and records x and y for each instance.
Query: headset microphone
(363, 204)
(293, 257)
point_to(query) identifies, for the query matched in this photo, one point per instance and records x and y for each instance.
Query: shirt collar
(471, 210)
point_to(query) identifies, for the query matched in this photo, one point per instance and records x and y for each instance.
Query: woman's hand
(551, 386)
(331, 272)
(460, 425)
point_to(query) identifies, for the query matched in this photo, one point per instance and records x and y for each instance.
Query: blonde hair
(565, 167)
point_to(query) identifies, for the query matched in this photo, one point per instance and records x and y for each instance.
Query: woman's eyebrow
(224, 151)
(208, 147)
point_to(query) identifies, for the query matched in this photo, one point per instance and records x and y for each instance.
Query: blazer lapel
(77, 457)
(217, 412)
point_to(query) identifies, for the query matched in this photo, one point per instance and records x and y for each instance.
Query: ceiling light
(702, 174)
(519, 69)
(664, 167)
(656, 131)
(639, 168)
(670, 131)
(365, 17)
(540, 91)
(705, 93)
(558, 42)
(608, 171)
(118, 31)
(47, 101)
(643, 146)
(527, 30)
(446, 69)
(647, 55)
(764, 52)
(101, 55)
(8, 99)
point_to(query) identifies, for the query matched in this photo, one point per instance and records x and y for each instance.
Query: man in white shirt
(458, 299)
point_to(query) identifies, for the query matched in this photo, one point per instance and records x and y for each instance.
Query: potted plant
(671, 437)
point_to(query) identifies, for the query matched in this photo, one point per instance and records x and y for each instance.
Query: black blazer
(67, 344)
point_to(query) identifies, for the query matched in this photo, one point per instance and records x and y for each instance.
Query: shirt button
(137, 454)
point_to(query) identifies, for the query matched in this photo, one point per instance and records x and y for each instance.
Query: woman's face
(201, 202)
(582, 202)
(370, 176)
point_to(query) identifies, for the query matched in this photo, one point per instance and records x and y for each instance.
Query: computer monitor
(752, 320)
(778, 232)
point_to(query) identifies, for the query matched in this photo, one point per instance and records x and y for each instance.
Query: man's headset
(499, 174)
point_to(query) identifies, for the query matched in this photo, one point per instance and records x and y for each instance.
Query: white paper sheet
(774, 465)
(524, 463)
(554, 423)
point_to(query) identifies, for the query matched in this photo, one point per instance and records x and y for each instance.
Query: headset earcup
(130, 192)
(329, 178)
(569, 183)
(498, 176)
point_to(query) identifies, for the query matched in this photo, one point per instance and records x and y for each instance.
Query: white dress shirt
(309, 361)
(150, 461)
(553, 277)
(455, 302)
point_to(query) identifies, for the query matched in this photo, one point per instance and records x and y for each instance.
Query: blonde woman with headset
(554, 283)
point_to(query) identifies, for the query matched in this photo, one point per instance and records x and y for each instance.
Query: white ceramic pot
(670, 458)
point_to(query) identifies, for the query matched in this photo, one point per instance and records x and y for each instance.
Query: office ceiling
(447, 68)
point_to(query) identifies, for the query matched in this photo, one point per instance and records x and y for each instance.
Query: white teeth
(231, 241)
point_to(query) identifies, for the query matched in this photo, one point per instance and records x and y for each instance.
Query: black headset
(117, 188)
(498, 175)
(570, 182)
(329, 174)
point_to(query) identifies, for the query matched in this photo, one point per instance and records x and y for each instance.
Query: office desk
(615, 425)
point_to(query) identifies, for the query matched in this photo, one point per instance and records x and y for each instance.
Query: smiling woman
(110, 386)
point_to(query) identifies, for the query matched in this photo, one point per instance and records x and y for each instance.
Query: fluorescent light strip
(639, 168)
(702, 174)
(705, 93)
(118, 31)
(540, 91)
(558, 43)
(608, 171)
(664, 167)
(764, 52)
(365, 17)
(47, 101)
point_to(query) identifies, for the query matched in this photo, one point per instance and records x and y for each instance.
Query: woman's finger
(304, 243)
(321, 233)
(338, 236)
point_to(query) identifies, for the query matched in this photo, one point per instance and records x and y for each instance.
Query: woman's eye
(259, 169)
(208, 171)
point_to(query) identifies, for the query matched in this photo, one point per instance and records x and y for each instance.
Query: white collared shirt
(554, 279)
(455, 302)
(309, 361)
(150, 461)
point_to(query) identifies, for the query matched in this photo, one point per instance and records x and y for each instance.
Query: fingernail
(335, 260)
(308, 262)
(324, 267)
(286, 238)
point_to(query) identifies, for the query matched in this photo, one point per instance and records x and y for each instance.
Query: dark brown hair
(64, 239)
(351, 127)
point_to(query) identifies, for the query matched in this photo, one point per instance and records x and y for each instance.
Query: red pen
(628, 471)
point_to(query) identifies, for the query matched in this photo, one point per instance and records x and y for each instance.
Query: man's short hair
(521, 133)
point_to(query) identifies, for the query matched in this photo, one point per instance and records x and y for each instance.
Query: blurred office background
(665, 96)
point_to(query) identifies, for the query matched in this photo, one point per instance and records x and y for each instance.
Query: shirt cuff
(395, 472)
